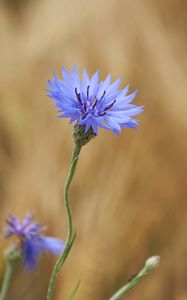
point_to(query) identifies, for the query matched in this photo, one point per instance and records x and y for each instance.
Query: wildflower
(92, 103)
(30, 240)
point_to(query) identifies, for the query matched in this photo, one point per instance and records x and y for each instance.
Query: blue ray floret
(94, 103)
(30, 239)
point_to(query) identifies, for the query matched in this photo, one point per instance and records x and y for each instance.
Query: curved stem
(71, 235)
(71, 173)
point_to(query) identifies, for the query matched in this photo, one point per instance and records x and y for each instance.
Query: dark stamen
(95, 103)
(84, 105)
(85, 116)
(102, 114)
(88, 87)
(103, 95)
(76, 92)
(78, 96)
(110, 105)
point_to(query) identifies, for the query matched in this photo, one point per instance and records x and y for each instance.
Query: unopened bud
(152, 263)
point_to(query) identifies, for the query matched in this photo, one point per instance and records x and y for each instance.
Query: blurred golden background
(129, 193)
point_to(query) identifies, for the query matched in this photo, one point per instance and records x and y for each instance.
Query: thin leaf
(73, 293)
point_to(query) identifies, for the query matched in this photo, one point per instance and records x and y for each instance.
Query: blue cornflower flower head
(30, 240)
(93, 103)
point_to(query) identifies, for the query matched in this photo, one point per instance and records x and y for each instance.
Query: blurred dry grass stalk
(129, 193)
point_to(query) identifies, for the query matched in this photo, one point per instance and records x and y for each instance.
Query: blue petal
(63, 89)
(134, 111)
(31, 252)
(67, 77)
(73, 118)
(52, 245)
(123, 93)
(115, 127)
(100, 123)
(131, 124)
(85, 79)
(88, 125)
(122, 106)
(95, 128)
(118, 116)
(114, 86)
(94, 84)
(128, 98)
(27, 220)
(112, 96)
(76, 80)
(103, 86)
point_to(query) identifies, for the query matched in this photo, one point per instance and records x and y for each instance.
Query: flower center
(91, 104)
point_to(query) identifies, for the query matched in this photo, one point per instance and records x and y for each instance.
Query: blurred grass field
(129, 195)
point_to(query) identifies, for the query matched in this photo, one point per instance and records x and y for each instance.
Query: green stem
(124, 289)
(71, 235)
(7, 277)
(6, 281)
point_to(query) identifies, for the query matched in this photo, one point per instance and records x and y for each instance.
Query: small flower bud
(12, 253)
(152, 263)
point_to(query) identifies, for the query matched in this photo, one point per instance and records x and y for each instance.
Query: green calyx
(80, 136)
(13, 254)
